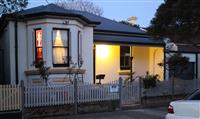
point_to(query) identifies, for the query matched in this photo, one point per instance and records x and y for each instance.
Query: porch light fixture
(102, 51)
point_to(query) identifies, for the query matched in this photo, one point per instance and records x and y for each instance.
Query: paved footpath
(149, 113)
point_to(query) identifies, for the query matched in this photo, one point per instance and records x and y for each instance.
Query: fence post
(75, 95)
(22, 97)
(120, 91)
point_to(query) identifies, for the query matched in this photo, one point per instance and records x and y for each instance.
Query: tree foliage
(81, 5)
(176, 63)
(9, 6)
(177, 20)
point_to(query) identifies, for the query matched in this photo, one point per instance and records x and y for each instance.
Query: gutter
(16, 53)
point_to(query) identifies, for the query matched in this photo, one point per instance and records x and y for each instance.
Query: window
(60, 47)
(124, 57)
(187, 74)
(38, 45)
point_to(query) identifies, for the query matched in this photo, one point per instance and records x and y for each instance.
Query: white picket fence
(180, 87)
(49, 96)
(96, 93)
(10, 97)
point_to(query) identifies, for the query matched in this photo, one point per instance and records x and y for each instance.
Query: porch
(119, 56)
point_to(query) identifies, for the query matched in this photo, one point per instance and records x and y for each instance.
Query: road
(148, 113)
(153, 113)
(10, 115)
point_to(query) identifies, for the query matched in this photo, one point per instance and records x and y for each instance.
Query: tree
(177, 20)
(81, 5)
(9, 6)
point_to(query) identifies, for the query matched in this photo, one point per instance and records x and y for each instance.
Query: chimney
(132, 20)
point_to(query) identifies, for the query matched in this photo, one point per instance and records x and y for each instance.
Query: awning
(116, 39)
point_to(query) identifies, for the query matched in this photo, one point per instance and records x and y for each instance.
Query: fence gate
(130, 93)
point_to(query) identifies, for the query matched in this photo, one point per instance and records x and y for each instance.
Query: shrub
(149, 81)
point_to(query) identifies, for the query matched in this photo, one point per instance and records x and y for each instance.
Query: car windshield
(195, 95)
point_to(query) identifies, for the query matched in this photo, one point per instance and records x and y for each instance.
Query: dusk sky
(118, 10)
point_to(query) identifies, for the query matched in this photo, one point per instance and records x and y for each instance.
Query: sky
(119, 10)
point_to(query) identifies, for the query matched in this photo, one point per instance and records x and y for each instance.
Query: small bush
(150, 81)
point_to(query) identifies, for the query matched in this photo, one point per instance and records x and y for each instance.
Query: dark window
(124, 57)
(187, 73)
(60, 47)
(38, 45)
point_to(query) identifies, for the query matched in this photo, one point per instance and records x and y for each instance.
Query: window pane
(39, 54)
(38, 38)
(60, 38)
(121, 61)
(124, 50)
(60, 55)
(127, 61)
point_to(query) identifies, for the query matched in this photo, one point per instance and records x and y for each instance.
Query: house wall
(22, 50)
(88, 54)
(5, 46)
(140, 60)
(156, 56)
(144, 59)
(109, 63)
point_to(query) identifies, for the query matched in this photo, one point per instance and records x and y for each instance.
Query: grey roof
(126, 40)
(105, 24)
(111, 25)
(188, 48)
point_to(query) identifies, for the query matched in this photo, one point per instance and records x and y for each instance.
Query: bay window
(60, 47)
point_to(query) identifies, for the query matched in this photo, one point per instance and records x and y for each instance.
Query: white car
(188, 108)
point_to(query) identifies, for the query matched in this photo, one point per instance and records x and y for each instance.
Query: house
(187, 49)
(57, 35)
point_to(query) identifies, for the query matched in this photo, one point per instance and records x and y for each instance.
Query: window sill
(125, 72)
(56, 71)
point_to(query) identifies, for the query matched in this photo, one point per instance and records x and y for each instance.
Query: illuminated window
(38, 45)
(60, 47)
(124, 57)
